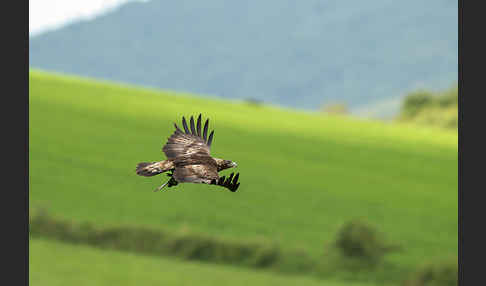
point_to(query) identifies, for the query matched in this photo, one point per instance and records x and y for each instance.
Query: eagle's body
(189, 159)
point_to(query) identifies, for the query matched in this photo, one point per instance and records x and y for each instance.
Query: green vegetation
(303, 175)
(53, 264)
(429, 108)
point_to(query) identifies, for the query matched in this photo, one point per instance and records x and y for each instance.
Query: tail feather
(149, 169)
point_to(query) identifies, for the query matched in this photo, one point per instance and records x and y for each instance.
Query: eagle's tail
(149, 169)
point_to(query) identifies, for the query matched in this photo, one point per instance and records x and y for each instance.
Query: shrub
(416, 101)
(443, 273)
(358, 239)
(254, 101)
(427, 108)
(336, 108)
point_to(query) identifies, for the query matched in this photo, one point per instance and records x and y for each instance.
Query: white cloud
(50, 14)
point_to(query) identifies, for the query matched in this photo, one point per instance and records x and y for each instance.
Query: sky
(51, 14)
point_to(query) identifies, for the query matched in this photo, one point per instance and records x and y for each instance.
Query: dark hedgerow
(353, 256)
(258, 254)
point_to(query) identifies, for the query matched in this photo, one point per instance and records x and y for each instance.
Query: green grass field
(53, 263)
(302, 174)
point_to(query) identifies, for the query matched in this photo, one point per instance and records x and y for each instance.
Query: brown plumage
(189, 159)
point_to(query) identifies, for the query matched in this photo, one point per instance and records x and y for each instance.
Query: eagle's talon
(172, 182)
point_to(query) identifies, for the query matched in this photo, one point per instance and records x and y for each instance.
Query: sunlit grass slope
(302, 175)
(54, 263)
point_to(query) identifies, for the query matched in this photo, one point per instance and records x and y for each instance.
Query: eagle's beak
(233, 164)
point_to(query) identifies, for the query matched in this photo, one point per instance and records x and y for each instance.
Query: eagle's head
(225, 164)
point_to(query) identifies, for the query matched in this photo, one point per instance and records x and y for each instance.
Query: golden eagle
(189, 161)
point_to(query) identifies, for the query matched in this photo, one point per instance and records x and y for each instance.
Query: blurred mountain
(299, 54)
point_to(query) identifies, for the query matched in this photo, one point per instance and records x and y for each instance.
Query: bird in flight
(189, 159)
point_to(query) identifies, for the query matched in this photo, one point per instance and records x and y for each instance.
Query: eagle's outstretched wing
(206, 174)
(189, 143)
(189, 174)
(231, 183)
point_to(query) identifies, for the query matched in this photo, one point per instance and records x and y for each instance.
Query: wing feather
(188, 143)
(184, 124)
(205, 132)
(210, 140)
(193, 130)
(199, 126)
(231, 183)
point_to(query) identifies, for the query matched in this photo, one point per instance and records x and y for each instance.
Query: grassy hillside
(302, 174)
(116, 268)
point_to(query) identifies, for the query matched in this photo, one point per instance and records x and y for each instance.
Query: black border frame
(15, 115)
(470, 61)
